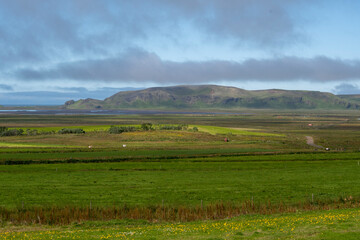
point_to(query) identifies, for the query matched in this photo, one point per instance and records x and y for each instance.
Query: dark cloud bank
(140, 66)
(39, 31)
(36, 34)
(346, 88)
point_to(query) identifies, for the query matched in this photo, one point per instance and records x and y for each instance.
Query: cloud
(6, 87)
(52, 31)
(346, 88)
(100, 92)
(140, 66)
(258, 22)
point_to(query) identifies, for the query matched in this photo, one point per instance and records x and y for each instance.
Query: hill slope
(212, 96)
(351, 97)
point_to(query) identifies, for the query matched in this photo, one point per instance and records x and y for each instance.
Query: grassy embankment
(330, 225)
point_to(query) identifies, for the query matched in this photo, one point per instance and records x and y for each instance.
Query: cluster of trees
(4, 131)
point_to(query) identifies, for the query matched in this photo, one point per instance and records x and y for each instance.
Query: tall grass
(220, 210)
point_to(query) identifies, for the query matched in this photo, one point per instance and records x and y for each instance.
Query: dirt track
(310, 141)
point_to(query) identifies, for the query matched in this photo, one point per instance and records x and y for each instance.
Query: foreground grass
(277, 178)
(334, 224)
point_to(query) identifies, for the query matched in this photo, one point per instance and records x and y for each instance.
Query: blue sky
(52, 51)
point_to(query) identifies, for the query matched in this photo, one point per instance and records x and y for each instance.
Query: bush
(118, 130)
(4, 131)
(147, 126)
(32, 132)
(35, 132)
(71, 130)
(173, 127)
(195, 129)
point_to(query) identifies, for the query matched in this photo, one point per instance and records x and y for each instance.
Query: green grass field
(232, 131)
(202, 128)
(266, 163)
(282, 178)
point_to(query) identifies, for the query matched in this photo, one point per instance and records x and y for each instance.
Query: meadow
(184, 182)
(331, 225)
(163, 178)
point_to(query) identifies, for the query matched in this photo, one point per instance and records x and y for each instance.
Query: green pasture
(10, 156)
(208, 129)
(32, 145)
(181, 182)
(338, 130)
(324, 225)
(266, 161)
(152, 141)
(123, 153)
(232, 131)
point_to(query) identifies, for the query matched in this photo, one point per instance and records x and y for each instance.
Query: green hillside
(351, 97)
(212, 96)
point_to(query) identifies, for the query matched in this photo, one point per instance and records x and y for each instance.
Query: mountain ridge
(214, 96)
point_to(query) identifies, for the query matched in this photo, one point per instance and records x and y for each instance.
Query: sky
(52, 51)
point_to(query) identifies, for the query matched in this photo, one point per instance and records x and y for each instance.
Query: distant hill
(212, 96)
(352, 97)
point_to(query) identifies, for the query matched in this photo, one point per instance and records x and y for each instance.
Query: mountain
(212, 96)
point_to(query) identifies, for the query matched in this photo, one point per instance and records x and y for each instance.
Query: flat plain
(221, 176)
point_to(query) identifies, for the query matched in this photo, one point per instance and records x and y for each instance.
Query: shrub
(35, 132)
(185, 127)
(173, 127)
(10, 132)
(147, 126)
(71, 130)
(118, 130)
(32, 132)
(3, 129)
